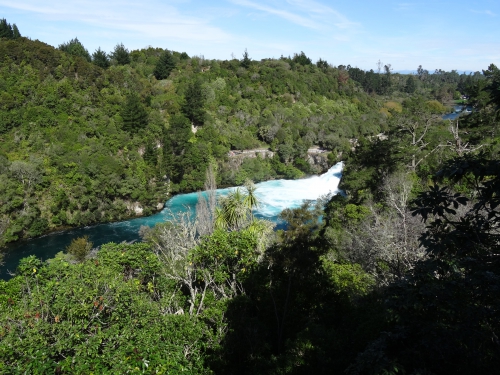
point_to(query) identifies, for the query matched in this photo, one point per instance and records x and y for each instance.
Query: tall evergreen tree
(5, 29)
(15, 32)
(134, 114)
(323, 65)
(174, 147)
(246, 61)
(180, 132)
(193, 105)
(411, 85)
(75, 47)
(149, 155)
(164, 65)
(385, 81)
(301, 59)
(121, 54)
(100, 58)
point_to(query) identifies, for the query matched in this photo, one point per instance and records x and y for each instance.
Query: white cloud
(151, 20)
(487, 12)
(405, 6)
(316, 10)
(294, 18)
(318, 16)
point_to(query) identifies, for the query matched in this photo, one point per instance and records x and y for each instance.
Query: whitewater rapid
(275, 196)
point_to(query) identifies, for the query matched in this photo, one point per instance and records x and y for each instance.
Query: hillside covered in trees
(398, 276)
(89, 138)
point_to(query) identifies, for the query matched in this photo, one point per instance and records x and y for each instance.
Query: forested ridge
(83, 144)
(401, 275)
(89, 138)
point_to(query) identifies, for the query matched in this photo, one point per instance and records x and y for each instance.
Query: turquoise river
(275, 196)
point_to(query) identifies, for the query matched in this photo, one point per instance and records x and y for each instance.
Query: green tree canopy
(15, 32)
(100, 58)
(134, 114)
(121, 54)
(410, 85)
(8, 31)
(323, 64)
(194, 101)
(79, 247)
(302, 59)
(246, 61)
(75, 47)
(164, 65)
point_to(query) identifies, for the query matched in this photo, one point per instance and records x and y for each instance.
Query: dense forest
(401, 275)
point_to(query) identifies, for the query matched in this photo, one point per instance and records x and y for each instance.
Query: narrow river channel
(275, 196)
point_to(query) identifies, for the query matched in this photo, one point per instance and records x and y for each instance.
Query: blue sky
(462, 35)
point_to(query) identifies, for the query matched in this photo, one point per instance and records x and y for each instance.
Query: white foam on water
(277, 195)
(274, 195)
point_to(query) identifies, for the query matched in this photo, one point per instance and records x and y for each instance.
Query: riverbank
(316, 157)
(275, 195)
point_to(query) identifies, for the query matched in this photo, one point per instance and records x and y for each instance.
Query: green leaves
(8, 31)
(438, 202)
(226, 255)
(106, 315)
(164, 65)
(121, 54)
(75, 47)
(194, 102)
(100, 58)
(134, 114)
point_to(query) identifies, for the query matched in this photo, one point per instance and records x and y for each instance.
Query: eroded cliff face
(318, 161)
(316, 157)
(236, 157)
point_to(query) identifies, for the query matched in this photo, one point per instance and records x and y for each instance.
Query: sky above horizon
(461, 35)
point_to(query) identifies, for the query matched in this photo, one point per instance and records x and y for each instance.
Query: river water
(458, 110)
(275, 196)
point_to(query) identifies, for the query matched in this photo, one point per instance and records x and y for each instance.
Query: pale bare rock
(135, 207)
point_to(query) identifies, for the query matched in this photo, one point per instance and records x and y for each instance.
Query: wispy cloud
(153, 20)
(315, 9)
(289, 16)
(404, 6)
(312, 15)
(487, 12)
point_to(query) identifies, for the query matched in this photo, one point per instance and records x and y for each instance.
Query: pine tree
(149, 155)
(245, 62)
(411, 85)
(5, 29)
(323, 65)
(193, 106)
(100, 58)
(121, 54)
(301, 59)
(180, 132)
(75, 47)
(164, 65)
(134, 114)
(15, 32)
